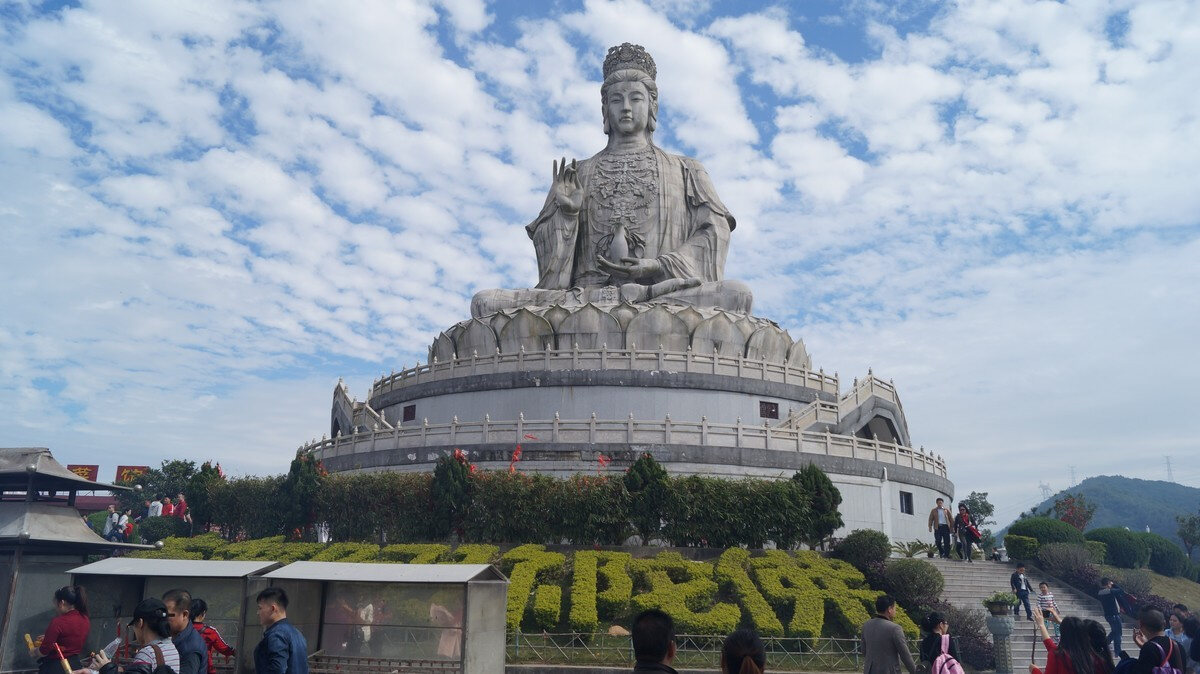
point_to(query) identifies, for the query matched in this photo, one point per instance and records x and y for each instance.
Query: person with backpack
(212, 638)
(151, 629)
(1159, 653)
(937, 648)
(1075, 652)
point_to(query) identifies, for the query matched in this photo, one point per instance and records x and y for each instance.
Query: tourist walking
(212, 638)
(743, 653)
(154, 508)
(1112, 600)
(937, 642)
(1019, 583)
(282, 649)
(110, 521)
(150, 628)
(884, 645)
(939, 523)
(193, 654)
(653, 637)
(1076, 651)
(1157, 649)
(67, 631)
(966, 530)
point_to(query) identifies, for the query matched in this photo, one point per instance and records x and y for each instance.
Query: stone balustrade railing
(626, 431)
(607, 359)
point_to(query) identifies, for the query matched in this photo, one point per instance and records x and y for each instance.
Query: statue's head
(629, 63)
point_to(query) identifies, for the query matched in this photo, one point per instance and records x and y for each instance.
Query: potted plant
(1000, 603)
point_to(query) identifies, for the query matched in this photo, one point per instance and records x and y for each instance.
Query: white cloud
(212, 209)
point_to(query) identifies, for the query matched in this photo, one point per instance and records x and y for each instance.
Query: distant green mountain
(1129, 502)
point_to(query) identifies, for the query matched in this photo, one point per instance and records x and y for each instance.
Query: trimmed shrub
(1064, 559)
(864, 547)
(547, 605)
(1046, 530)
(731, 574)
(914, 583)
(1124, 548)
(526, 566)
(1098, 551)
(413, 553)
(614, 584)
(1137, 583)
(474, 553)
(154, 529)
(1166, 557)
(690, 601)
(1020, 547)
(583, 616)
(348, 552)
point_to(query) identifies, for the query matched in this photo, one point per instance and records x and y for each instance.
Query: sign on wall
(128, 473)
(86, 472)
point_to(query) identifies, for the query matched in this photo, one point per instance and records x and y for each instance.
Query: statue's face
(628, 107)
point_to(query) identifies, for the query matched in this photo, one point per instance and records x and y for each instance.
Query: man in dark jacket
(1111, 598)
(1019, 583)
(653, 636)
(193, 654)
(283, 649)
(1157, 648)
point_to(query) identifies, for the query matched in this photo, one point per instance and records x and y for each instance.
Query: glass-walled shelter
(116, 585)
(42, 537)
(398, 617)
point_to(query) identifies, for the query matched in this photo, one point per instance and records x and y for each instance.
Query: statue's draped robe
(687, 232)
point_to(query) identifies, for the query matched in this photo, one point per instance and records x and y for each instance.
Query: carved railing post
(667, 430)
(629, 428)
(592, 429)
(704, 430)
(554, 429)
(520, 427)
(453, 429)
(424, 429)
(738, 437)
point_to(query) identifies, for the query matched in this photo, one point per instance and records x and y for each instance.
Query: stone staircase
(968, 584)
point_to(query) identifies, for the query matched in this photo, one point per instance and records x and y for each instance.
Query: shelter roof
(15, 467)
(183, 568)
(365, 572)
(49, 524)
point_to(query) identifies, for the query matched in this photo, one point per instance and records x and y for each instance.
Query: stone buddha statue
(633, 223)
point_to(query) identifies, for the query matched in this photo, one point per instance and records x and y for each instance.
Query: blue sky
(212, 210)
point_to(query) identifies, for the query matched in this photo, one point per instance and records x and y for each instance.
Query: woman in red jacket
(68, 630)
(1076, 652)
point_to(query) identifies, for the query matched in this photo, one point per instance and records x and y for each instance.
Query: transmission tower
(1170, 473)
(1045, 490)
(1072, 476)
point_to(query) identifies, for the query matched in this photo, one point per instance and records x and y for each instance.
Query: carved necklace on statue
(625, 186)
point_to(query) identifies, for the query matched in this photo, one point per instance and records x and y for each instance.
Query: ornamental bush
(1020, 547)
(1138, 583)
(916, 584)
(527, 565)
(1046, 530)
(583, 616)
(1124, 548)
(154, 529)
(474, 553)
(413, 553)
(1166, 557)
(1064, 560)
(731, 574)
(690, 600)
(1097, 550)
(864, 547)
(614, 584)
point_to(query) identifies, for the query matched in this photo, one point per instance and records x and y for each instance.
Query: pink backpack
(945, 663)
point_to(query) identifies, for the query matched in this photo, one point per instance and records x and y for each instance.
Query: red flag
(516, 456)
(603, 462)
(472, 470)
(530, 437)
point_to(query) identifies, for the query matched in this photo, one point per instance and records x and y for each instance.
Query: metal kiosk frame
(115, 586)
(369, 618)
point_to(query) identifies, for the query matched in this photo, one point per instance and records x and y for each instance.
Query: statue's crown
(628, 56)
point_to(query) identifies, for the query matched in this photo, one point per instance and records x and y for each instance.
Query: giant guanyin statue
(633, 223)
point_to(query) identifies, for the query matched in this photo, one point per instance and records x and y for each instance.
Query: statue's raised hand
(568, 193)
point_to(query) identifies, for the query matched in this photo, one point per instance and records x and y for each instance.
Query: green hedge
(801, 594)
(1166, 557)
(1097, 550)
(1020, 547)
(1123, 547)
(1046, 530)
(503, 507)
(915, 583)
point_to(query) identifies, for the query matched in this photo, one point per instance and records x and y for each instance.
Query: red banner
(86, 472)
(128, 473)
